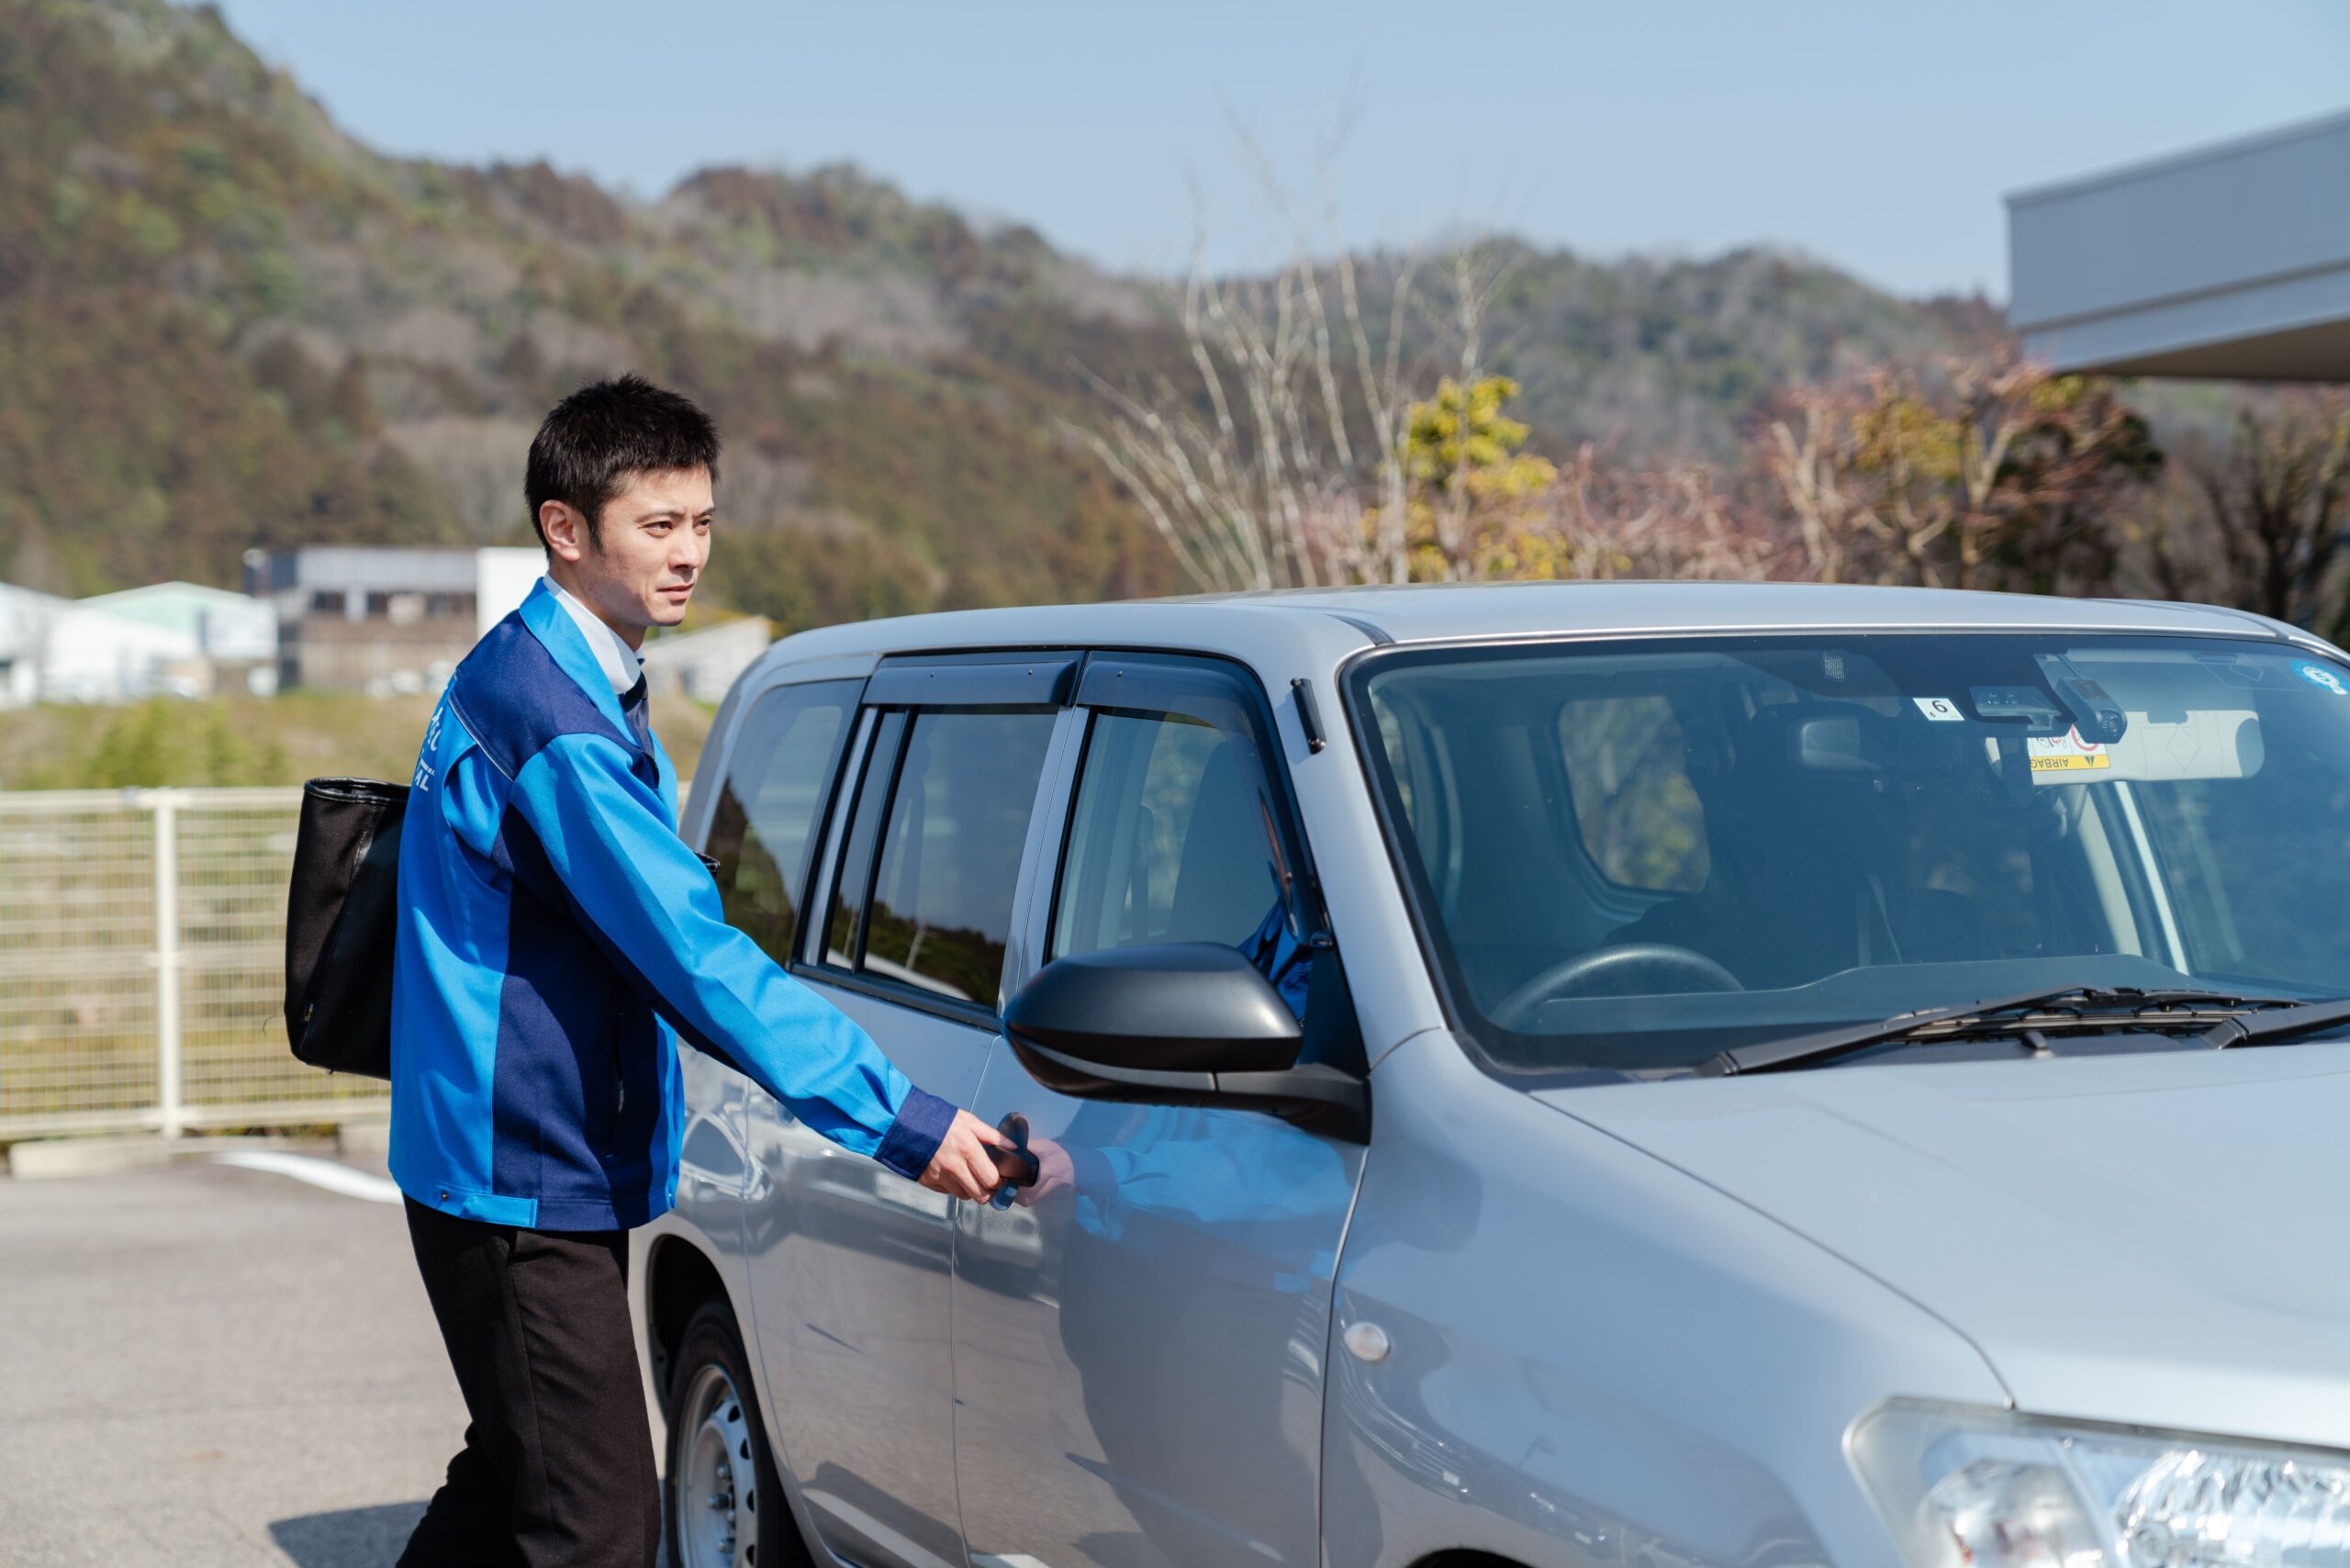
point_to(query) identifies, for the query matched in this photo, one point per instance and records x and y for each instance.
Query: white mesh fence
(143, 947)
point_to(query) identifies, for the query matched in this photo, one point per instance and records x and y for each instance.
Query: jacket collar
(551, 624)
(621, 664)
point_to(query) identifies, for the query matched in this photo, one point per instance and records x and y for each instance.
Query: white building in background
(379, 620)
(24, 617)
(235, 635)
(502, 579)
(93, 656)
(232, 628)
(702, 665)
(180, 639)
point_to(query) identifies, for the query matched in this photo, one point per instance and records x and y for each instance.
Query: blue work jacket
(556, 938)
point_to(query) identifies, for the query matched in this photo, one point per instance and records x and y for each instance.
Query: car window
(2262, 903)
(950, 849)
(777, 776)
(1172, 840)
(1829, 828)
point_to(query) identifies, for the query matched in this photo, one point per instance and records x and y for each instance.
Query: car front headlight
(1964, 1488)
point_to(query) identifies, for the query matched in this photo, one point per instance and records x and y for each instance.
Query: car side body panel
(848, 1268)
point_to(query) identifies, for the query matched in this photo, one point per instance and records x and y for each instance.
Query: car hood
(2160, 1239)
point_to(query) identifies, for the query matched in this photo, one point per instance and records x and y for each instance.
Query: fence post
(165, 805)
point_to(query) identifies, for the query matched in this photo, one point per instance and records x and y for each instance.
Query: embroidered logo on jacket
(423, 780)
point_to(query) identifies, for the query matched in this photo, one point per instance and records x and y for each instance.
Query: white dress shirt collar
(622, 664)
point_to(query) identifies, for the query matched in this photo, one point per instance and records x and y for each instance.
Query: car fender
(1590, 1355)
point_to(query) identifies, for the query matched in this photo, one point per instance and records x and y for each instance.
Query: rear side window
(938, 911)
(777, 778)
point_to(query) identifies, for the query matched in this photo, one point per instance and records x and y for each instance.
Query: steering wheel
(1624, 970)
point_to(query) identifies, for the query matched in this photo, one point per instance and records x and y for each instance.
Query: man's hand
(963, 1167)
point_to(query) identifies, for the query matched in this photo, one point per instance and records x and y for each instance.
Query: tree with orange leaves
(1993, 475)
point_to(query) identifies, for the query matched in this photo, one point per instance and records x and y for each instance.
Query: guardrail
(142, 966)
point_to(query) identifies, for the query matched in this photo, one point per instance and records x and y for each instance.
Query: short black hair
(594, 440)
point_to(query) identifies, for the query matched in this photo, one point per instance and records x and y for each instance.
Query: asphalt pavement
(209, 1365)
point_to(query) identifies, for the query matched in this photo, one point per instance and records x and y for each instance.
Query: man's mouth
(679, 591)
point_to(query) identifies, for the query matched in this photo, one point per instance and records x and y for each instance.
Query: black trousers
(557, 1467)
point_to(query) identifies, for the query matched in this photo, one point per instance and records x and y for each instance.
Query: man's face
(654, 540)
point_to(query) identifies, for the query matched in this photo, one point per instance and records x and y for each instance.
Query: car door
(849, 1263)
(1139, 1341)
(766, 781)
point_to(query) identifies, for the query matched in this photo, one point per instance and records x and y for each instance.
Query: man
(556, 938)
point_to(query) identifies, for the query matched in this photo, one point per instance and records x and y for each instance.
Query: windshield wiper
(2069, 1007)
(2297, 1019)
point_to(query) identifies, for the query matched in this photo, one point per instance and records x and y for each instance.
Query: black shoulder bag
(341, 912)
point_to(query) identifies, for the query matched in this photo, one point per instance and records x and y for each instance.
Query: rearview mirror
(1870, 743)
(1174, 1024)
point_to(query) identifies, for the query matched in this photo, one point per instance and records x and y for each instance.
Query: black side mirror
(1180, 1006)
(1175, 1023)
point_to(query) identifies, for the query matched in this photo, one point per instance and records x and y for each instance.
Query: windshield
(1633, 856)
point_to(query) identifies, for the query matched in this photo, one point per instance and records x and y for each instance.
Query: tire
(725, 1507)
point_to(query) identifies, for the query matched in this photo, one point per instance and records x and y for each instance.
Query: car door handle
(1018, 1167)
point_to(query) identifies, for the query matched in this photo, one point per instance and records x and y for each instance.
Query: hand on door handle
(1018, 1165)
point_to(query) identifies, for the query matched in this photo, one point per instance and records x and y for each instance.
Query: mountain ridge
(225, 322)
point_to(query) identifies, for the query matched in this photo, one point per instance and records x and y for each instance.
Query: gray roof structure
(2229, 261)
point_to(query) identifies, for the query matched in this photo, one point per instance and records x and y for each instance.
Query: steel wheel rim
(717, 1484)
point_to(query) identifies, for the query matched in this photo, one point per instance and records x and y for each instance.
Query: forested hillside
(224, 323)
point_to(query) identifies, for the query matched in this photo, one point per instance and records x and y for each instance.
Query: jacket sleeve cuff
(914, 1138)
(1091, 1170)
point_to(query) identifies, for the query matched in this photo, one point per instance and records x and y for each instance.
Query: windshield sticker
(2231, 669)
(2318, 675)
(2065, 753)
(1942, 710)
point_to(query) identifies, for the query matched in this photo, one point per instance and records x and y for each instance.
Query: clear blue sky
(1878, 134)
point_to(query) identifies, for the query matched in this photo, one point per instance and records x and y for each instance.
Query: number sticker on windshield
(1942, 710)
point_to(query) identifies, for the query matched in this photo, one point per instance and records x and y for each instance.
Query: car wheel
(727, 1507)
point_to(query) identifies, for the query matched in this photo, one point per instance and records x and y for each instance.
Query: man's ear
(565, 528)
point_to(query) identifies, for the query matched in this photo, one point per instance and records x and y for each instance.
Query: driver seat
(1789, 895)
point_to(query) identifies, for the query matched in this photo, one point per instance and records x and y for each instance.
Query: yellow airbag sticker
(2057, 753)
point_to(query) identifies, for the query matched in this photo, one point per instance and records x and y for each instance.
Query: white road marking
(324, 1173)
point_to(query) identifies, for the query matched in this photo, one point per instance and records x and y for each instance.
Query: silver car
(1552, 1075)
